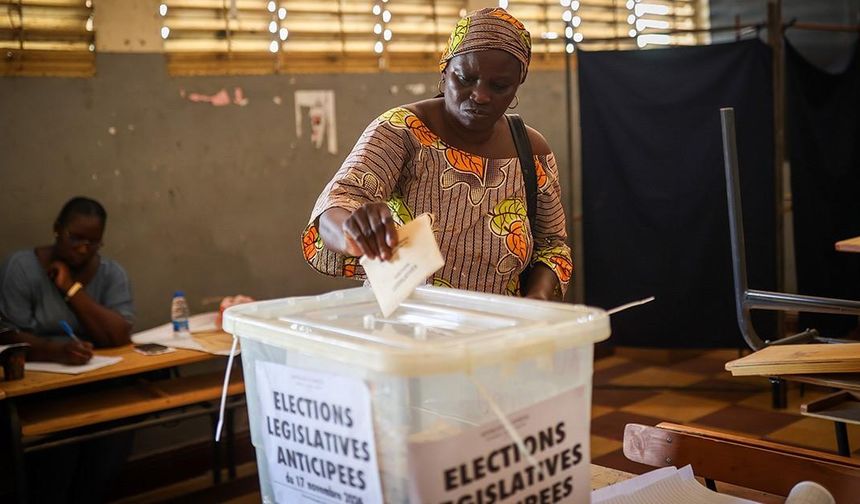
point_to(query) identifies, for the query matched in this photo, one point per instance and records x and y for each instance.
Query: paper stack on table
(415, 258)
(667, 485)
(196, 323)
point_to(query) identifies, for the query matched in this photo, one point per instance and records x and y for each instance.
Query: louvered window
(279, 36)
(557, 25)
(275, 36)
(47, 37)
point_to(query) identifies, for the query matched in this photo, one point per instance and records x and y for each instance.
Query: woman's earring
(439, 87)
(515, 105)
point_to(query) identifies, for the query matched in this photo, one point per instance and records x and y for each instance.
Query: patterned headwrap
(490, 28)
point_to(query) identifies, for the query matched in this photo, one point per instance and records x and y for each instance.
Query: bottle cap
(179, 294)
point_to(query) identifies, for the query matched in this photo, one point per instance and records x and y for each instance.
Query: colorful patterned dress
(477, 205)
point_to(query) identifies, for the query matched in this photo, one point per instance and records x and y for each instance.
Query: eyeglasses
(76, 241)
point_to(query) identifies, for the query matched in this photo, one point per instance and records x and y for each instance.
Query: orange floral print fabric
(477, 204)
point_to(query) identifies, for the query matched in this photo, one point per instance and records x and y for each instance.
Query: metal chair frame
(747, 299)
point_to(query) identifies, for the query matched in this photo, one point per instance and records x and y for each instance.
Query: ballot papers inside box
(454, 397)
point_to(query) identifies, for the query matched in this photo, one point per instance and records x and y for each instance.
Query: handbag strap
(527, 165)
(527, 162)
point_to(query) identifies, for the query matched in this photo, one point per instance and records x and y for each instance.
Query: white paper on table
(633, 484)
(186, 343)
(201, 322)
(676, 490)
(97, 362)
(663, 486)
(415, 258)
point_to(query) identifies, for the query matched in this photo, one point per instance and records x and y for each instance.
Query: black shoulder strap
(527, 162)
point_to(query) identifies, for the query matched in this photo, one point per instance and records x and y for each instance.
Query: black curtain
(654, 197)
(823, 139)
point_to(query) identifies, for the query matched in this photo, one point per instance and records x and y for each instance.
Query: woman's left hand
(59, 272)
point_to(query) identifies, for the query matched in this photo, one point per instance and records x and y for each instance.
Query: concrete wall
(207, 199)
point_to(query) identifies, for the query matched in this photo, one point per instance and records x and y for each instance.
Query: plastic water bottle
(179, 315)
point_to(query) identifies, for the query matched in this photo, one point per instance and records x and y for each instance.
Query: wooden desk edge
(52, 381)
(602, 476)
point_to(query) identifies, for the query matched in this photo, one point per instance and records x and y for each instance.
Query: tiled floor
(630, 387)
(636, 386)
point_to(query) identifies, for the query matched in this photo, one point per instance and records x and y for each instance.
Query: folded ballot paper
(415, 258)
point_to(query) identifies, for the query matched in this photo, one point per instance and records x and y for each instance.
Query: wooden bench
(761, 465)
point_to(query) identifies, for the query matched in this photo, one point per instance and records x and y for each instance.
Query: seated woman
(454, 157)
(68, 281)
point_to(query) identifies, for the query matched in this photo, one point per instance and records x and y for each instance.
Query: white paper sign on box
(416, 257)
(483, 464)
(318, 436)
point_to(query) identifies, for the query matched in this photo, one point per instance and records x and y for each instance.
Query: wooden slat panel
(605, 19)
(47, 37)
(47, 46)
(47, 3)
(43, 64)
(194, 64)
(329, 30)
(799, 359)
(89, 408)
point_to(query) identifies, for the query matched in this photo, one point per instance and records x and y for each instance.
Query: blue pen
(68, 330)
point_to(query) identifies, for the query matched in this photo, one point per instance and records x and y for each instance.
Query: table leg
(842, 439)
(12, 425)
(779, 392)
(216, 452)
(231, 444)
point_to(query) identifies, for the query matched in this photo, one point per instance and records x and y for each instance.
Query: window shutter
(279, 36)
(596, 25)
(47, 37)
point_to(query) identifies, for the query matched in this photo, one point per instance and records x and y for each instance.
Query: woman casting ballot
(454, 157)
(67, 281)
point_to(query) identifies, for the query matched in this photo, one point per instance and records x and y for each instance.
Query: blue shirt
(30, 300)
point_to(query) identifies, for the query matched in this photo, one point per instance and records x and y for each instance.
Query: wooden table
(53, 422)
(823, 365)
(605, 476)
(849, 245)
(132, 363)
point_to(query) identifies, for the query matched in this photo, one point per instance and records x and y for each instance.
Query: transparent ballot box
(458, 397)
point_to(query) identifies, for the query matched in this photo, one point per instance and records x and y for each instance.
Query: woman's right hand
(60, 274)
(370, 231)
(71, 352)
